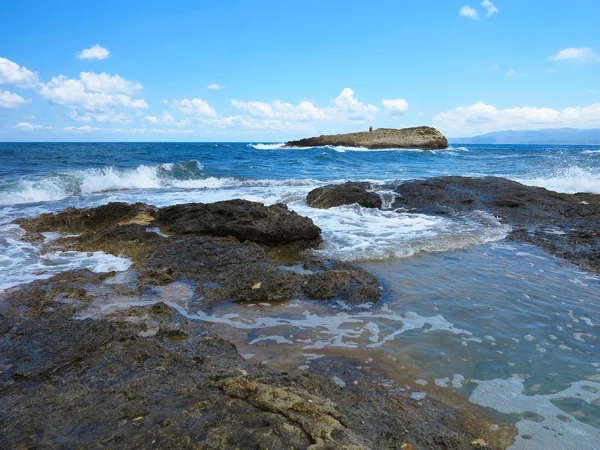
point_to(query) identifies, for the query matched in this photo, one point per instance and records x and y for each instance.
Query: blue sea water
(487, 318)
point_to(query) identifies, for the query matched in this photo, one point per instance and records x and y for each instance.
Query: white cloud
(82, 129)
(354, 109)
(165, 119)
(76, 117)
(396, 106)
(111, 117)
(194, 107)
(12, 73)
(469, 12)
(94, 52)
(255, 124)
(92, 92)
(576, 54)
(103, 82)
(491, 8)
(215, 86)
(510, 73)
(153, 130)
(25, 126)
(11, 100)
(481, 118)
(280, 110)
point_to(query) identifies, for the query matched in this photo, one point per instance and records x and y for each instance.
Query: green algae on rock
(424, 138)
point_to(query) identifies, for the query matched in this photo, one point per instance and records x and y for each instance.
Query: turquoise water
(463, 310)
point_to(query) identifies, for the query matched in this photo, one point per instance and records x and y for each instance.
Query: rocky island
(424, 138)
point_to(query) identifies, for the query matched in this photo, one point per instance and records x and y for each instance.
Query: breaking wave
(184, 175)
(569, 180)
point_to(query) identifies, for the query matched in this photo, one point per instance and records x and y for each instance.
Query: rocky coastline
(424, 138)
(76, 372)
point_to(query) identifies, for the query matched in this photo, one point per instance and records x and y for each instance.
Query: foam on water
(557, 429)
(569, 180)
(267, 146)
(354, 233)
(21, 262)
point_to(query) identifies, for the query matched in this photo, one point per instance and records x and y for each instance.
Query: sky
(270, 71)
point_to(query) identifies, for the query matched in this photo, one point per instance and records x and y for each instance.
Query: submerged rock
(425, 138)
(344, 194)
(245, 220)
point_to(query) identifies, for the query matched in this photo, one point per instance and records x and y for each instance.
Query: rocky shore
(76, 371)
(424, 138)
(567, 225)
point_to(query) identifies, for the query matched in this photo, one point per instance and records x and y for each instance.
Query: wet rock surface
(148, 377)
(226, 260)
(245, 220)
(568, 225)
(426, 138)
(344, 194)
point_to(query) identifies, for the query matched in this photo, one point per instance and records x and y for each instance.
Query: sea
(466, 316)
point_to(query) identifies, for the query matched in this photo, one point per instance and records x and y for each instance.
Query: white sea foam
(267, 146)
(21, 262)
(354, 233)
(558, 429)
(569, 180)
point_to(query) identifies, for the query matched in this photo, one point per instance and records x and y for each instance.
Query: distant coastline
(550, 136)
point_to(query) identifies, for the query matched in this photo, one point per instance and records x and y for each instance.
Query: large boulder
(247, 221)
(425, 138)
(343, 194)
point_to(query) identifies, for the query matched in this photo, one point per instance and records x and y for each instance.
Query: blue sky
(277, 70)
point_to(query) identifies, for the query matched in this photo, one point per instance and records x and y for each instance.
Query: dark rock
(425, 138)
(343, 194)
(105, 383)
(566, 224)
(247, 221)
(72, 220)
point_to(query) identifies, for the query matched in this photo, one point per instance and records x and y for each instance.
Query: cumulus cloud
(12, 73)
(280, 110)
(82, 129)
(92, 92)
(510, 73)
(255, 124)
(491, 8)
(194, 107)
(575, 54)
(469, 12)
(25, 126)
(215, 86)
(353, 109)
(396, 106)
(94, 52)
(481, 117)
(112, 84)
(76, 117)
(11, 100)
(165, 119)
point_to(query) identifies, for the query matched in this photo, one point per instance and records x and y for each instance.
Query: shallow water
(464, 315)
(506, 325)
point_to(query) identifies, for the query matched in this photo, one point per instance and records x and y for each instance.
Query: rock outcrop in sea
(424, 138)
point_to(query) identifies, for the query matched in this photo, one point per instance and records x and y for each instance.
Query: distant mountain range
(548, 136)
